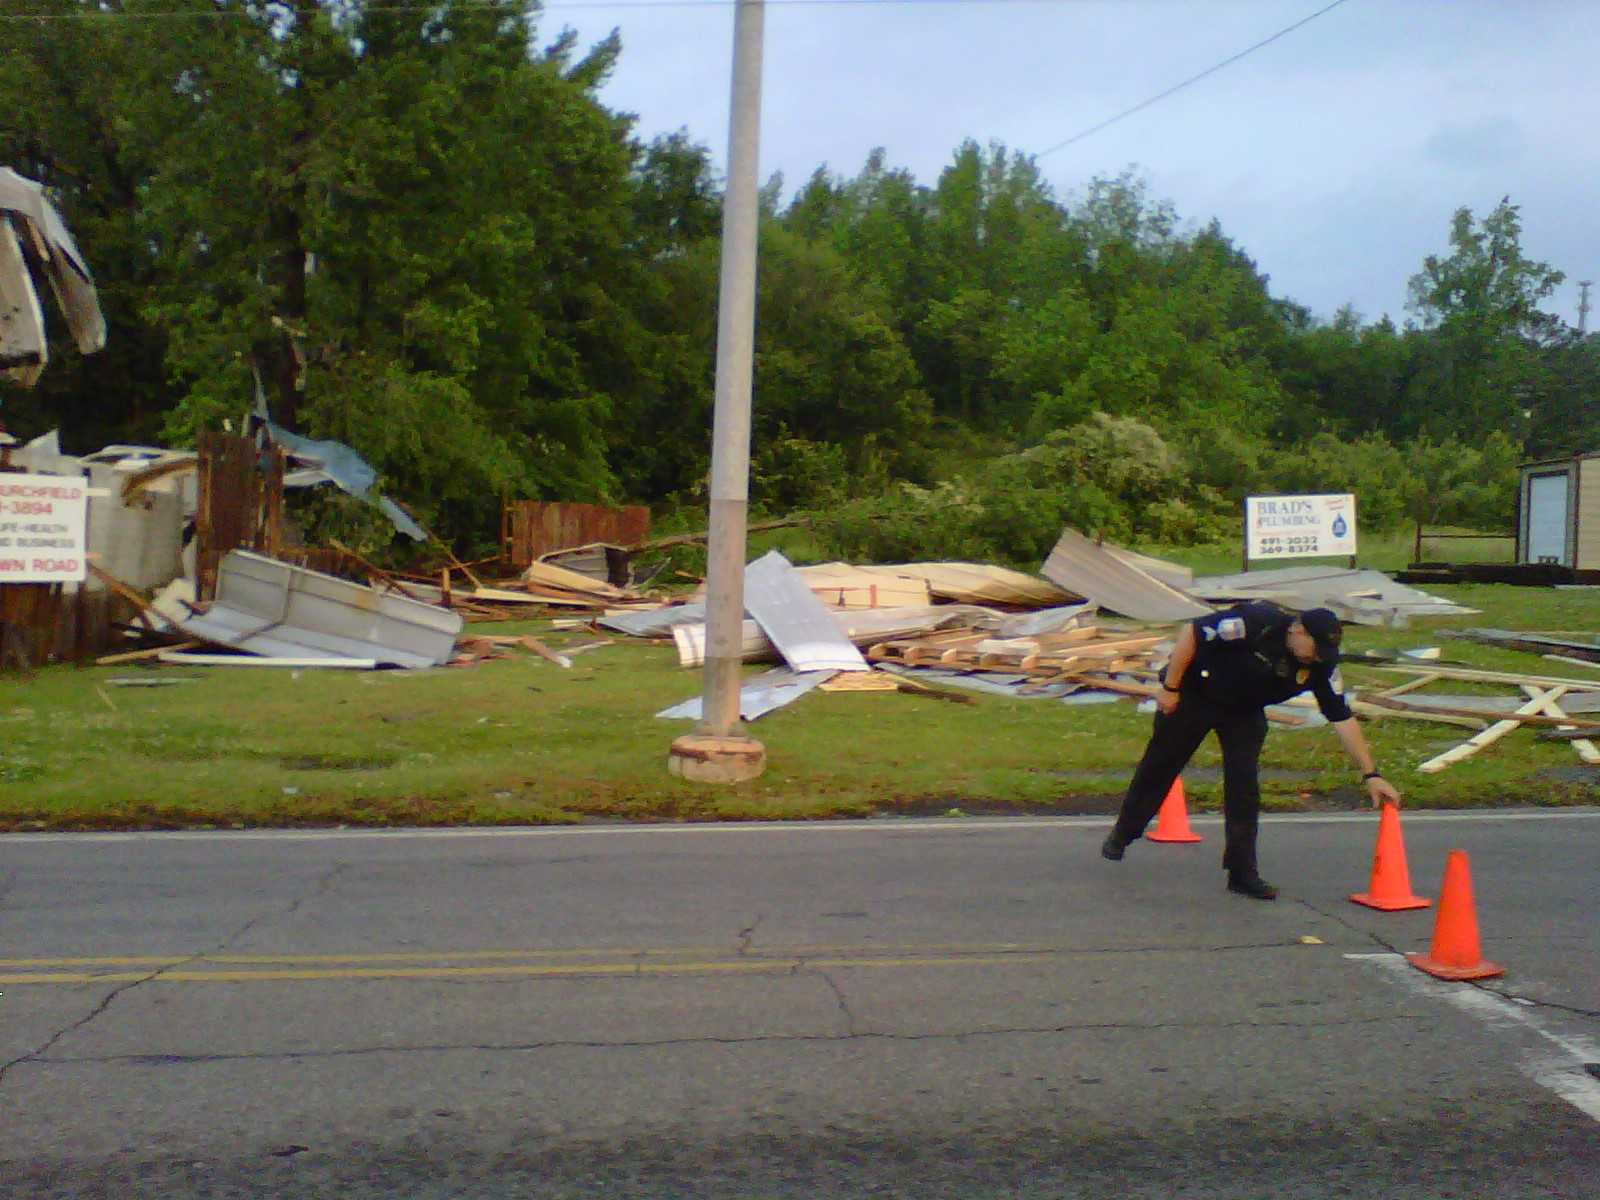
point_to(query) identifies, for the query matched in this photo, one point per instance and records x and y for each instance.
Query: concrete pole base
(706, 758)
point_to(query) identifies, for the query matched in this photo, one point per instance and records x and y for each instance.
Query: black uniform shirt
(1242, 661)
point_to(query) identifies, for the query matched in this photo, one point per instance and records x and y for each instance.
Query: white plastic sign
(1299, 526)
(43, 524)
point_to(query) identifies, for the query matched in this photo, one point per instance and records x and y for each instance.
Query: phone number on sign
(1286, 545)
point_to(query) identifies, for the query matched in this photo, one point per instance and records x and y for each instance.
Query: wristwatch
(1372, 775)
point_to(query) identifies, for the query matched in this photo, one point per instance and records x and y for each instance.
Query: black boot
(1113, 847)
(1253, 886)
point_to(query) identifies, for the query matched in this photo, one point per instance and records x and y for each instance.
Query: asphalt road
(933, 1009)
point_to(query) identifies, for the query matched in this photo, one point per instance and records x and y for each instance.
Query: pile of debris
(1550, 702)
(1066, 636)
(193, 548)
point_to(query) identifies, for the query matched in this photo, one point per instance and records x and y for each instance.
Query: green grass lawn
(520, 740)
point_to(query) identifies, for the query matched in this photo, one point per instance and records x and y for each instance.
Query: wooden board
(1473, 676)
(1490, 735)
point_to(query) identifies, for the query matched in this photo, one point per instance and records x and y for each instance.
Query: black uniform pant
(1173, 742)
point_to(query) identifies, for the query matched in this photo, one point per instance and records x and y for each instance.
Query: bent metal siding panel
(282, 611)
(1079, 565)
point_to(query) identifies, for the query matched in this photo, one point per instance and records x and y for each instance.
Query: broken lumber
(1470, 675)
(543, 651)
(140, 604)
(1490, 735)
(1522, 716)
(112, 660)
(1366, 708)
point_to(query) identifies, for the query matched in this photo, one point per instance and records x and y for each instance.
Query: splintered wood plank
(1522, 716)
(543, 651)
(860, 681)
(1366, 708)
(1585, 748)
(1121, 645)
(1067, 637)
(1410, 685)
(1490, 735)
(140, 604)
(1474, 676)
(112, 660)
(938, 650)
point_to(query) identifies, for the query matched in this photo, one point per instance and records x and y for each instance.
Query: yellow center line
(747, 966)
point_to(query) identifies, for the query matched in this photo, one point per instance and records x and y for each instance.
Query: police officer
(1225, 669)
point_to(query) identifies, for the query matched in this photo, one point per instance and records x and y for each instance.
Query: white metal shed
(1558, 512)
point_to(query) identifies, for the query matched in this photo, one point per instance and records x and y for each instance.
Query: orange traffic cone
(1172, 822)
(1390, 889)
(1455, 953)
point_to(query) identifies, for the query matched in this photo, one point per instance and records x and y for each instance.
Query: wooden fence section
(41, 623)
(241, 504)
(529, 528)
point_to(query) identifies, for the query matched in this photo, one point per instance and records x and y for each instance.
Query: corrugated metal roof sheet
(790, 614)
(1079, 564)
(1365, 597)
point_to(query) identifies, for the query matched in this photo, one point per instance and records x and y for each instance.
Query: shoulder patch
(1231, 629)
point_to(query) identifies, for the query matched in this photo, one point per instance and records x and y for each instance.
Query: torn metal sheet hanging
(335, 463)
(34, 240)
(23, 348)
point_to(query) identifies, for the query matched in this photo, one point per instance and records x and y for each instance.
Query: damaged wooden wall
(529, 528)
(41, 623)
(241, 504)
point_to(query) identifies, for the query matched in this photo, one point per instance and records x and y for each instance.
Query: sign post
(1299, 527)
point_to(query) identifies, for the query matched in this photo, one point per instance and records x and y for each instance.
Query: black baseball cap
(1324, 627)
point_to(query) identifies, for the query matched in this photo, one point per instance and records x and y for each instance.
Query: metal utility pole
(1583, 305)
(718, 751)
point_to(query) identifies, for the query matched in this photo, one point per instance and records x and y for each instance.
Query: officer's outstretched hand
(1380, 791)
(1167, 701)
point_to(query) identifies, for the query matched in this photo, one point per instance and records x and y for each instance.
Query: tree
(1348, 378)
(73, 121)
(1480, 307)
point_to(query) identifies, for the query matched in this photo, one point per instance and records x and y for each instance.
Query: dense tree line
(420, 232)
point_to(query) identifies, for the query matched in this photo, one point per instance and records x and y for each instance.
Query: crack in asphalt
(37, 1055)
(844, 1004)
(105, 1003)
(1514, 997)
(1534, 1002)
(1353, 928)
(712, 1040)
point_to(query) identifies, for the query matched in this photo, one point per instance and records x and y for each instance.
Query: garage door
(1547, 518)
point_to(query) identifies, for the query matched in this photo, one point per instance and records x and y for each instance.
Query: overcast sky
(1334, 156)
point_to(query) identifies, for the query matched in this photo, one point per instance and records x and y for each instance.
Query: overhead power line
(488, 5)
(1178, 87)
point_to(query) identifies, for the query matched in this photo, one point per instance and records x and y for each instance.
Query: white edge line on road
(890, 825)
(1565, 1073)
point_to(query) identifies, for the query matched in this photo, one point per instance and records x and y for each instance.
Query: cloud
(1487, 142)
